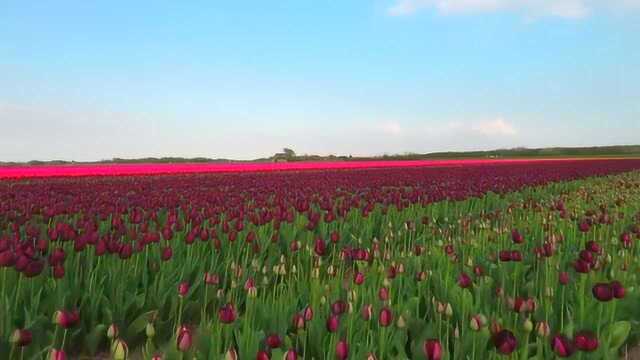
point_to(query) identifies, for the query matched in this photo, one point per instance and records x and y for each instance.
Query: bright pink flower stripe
(16, 172)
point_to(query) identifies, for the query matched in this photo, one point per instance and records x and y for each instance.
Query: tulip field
(436, 260)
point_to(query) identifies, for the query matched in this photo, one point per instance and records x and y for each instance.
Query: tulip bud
(367, 312)
(150, 330)
(57, 355)
(120, 350)
(543, 329)
(448, 310)
(527, 326)
(185, 339)
(401, 323)
(112, 331)
(21, 337)
(290, 355)
(231, 354)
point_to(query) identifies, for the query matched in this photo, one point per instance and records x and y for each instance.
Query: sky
(91, 80)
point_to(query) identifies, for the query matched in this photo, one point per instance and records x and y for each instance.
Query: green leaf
(618, 332)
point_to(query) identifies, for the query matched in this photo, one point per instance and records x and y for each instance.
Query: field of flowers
(478, 260)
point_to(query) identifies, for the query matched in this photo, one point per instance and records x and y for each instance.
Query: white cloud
(390, 128)
(567, 9)
(497, 127)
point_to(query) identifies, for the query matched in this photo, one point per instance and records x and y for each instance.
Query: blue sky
(88, 80)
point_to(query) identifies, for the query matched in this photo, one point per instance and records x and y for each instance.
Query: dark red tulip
(58, 272)
(562, 346)
(464, 281)
(563, 278)
(516, 237)
(505, 255)
(339, 307)
(516, 255)
(358, 278)
(594, 247)
(67, 319)
(602, 292)
(505, 342)
(273, 341)
(582, 266)
(320, 247)
(166, 253)
(227, 314)
(618, 289)
(586, 341)
(584, 226)
(432, 349)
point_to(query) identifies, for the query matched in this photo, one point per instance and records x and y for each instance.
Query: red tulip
(582, 266)
(184, 339)
(602, 292)
(297, 321)
(464, 281)
(211, 279)
(505, 342)
(383, 294)
(516, 236)
(262, 355)
(562, 346)
(333, 322)
(66, 319)
(584, 226)
(291, 355)
(586, 341)
(273, 341)
(618, 289)
(308, 313)
(564, 278)
(339, 307)
(57, 354)
(432, 349)
(21, 337)
(183, 289)
(386, 317)
(358, 278)
(227, 314)
(505, 255)
(166, 254)
(342, 350)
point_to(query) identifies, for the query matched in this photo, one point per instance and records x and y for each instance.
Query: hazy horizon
(241, 80)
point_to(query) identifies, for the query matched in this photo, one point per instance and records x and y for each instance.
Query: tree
(289, 153)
